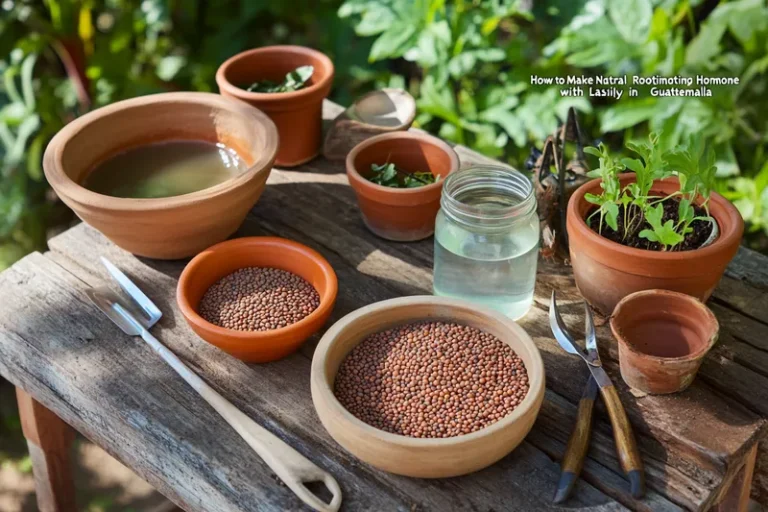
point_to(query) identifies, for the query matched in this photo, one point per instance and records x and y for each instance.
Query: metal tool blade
(589, 331)
(559, 330)
(145, 311)
(109, 303)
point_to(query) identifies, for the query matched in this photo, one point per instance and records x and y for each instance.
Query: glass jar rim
(505, 179)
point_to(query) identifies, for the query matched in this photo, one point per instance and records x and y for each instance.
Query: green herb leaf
(665, 233)
(611, 214)
(387, 175)
(293, 81)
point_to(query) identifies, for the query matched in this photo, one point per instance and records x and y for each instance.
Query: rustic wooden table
(70, 362)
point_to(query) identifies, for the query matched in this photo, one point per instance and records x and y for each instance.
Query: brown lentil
(258, 299)
(431, 379)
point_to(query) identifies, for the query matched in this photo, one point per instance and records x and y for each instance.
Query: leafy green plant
(660, 231)
(470, 66)
(293, 81)
(78, 55)
(692, 164)
(612, 194)
(474, 63)
(388, 175)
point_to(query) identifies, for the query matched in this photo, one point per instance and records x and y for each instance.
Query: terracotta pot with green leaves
(289, 84)
(658, 227)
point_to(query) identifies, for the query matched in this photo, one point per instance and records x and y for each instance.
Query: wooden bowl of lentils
(257, 298)
(427, 387)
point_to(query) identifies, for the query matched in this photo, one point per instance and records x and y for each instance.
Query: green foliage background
(468, 63)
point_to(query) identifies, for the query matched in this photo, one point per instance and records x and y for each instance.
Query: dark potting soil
(693, 240)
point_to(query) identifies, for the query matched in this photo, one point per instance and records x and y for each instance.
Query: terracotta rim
(677, 296)
(324, 82)
(359, 181)
(327, 298)
(727, 238)
(535, 374)
(67, 187)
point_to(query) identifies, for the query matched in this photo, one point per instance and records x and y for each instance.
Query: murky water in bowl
(165, 169)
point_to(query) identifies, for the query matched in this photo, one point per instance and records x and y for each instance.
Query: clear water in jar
(496, 268)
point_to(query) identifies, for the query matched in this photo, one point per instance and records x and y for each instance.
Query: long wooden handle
(292, 467)
(626, 447)
(578, 443)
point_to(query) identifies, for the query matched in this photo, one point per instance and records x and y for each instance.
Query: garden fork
(289, 465)
(576, 451)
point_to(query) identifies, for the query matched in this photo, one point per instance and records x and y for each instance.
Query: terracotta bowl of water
(172, 227)
(663, 338)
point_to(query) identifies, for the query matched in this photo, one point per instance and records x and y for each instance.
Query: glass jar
(487, 239)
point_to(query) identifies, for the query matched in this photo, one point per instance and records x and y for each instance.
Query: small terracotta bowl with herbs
(289, 84)
(266, 272)
(398, 178)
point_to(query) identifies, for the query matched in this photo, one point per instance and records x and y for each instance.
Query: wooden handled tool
(578, 443)
(626, 447)
(290, 466)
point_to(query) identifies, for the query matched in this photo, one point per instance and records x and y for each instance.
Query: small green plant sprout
(388, 175)
(640, 212)
(661, 232)
(611, 197)
(695, 168)
(293, 81)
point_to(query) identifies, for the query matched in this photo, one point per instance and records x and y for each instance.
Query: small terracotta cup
(663, 338)
(298, 114)
(222, 259)
(400, 214)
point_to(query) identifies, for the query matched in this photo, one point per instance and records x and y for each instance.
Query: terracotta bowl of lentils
(257, 298)
(427, 387)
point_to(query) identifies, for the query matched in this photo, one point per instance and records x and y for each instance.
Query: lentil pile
(431, 379)
(258, 299)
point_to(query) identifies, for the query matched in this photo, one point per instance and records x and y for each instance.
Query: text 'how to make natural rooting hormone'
(635, 85)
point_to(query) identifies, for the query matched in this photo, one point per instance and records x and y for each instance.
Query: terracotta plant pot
(171, 227)
(663, 337)
(412, 456)
(222, 259)
(298, 114)
(400, 214)
(606, 271)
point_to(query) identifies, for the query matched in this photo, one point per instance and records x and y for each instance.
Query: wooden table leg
(49, 440)
(736, 497)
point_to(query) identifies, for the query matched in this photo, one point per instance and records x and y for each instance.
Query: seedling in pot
(674, 222)
(388, 175)
(293, 81)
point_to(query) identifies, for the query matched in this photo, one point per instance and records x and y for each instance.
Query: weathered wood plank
(339, 230)
(314, 205)
(276, 394)
(743, 298)
(49, 440)
(750, 267)
(741, 304)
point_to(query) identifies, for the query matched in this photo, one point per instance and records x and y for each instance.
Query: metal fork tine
(560, 330)
(589, 328)
(560, 321)
(142, 303)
